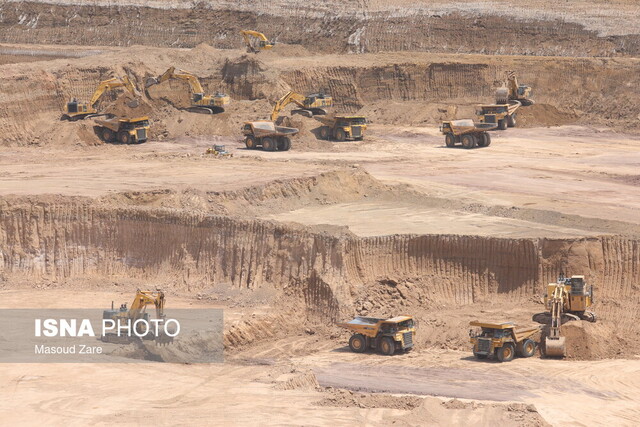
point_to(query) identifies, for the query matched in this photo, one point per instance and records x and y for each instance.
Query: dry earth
(289, 243)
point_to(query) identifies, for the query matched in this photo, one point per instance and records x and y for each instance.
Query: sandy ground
(273, 384)
(571, 175)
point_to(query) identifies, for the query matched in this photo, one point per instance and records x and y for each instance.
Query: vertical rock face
(76, 239)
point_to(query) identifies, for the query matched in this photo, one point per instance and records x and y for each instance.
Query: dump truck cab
(385, 335)
(501, 341)
(123, 130)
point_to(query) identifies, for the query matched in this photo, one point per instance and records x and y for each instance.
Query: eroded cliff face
(327, 27)
(73, 239)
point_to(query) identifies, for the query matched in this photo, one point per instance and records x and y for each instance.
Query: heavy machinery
(342, 128)
(385, 335)
(76, 110)
(267, 135)
(309, 106)
(123, 130)
(219, 151)
(502, 341)
(256, 41)
(146, 328)
(200, 103)
(567, 299)
(466, 132)
(512, 91)
(504, 115)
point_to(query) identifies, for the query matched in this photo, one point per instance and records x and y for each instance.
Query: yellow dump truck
(467, 133)
(266, 134)
(502, 115)
(502, 340)
(342, 128)
(385, 335)
(123, 130)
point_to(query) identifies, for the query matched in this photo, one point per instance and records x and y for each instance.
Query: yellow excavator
(567, 299)
(513, 91)
(200, 103)
(76, 110)
(138, 320)
(256, 41)
(309, 106)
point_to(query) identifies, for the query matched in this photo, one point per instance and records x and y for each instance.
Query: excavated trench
(388, 89)
(324, 273)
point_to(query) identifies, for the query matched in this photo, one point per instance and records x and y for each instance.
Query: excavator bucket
(555, 347)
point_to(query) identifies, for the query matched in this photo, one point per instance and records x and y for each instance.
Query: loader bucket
(555, 347)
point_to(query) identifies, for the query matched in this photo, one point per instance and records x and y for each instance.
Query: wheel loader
(309, 106)
(123, 130)
(342, 128)
(566, 300)
(502, 341)
(385, 335)
(137, 320)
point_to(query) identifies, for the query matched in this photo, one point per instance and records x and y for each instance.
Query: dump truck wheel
(506, 353)
(528, 348)
(108, 135)
(341, 135)
(124, 137)
(468, 141)
(284, 143)
(324, 132)
(450, 140)
(387, 346)
(250, 142)
(502, 124)
(511, 121)
(357, 343)
(487, 138)
(268, 144)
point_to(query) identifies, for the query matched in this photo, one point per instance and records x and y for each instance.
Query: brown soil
(289, 243)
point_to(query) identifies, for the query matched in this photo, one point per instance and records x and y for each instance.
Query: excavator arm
(111, 84)
(194, 83)
(145, 298)
(290, 97)
(555, 343)
(262, 41)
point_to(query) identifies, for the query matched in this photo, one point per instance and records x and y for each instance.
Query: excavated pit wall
(336, 29)
(32, 98)
(75, 240)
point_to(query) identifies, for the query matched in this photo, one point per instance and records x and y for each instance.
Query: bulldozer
(567, 299)
(137, 318)
(385, 335)
(309, 106)
(512, 91)
(256, 41)
(77, 110)
(502, 341)
(123, 130)
(200, 103)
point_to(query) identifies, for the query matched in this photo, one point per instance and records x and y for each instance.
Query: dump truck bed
(267, 128)
(461, 127)
(511, 107)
